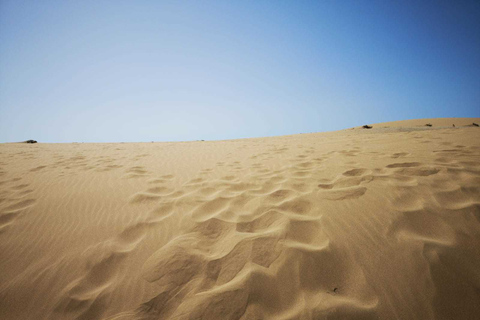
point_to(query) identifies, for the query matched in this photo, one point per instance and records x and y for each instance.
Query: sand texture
(380, 223)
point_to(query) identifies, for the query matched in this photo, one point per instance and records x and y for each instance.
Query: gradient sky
(110, 71)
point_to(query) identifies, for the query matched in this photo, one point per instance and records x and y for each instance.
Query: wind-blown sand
(354, 224)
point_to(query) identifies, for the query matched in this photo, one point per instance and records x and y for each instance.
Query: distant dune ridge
(352, 224)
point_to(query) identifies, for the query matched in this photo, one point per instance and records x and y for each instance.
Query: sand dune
(354, 224)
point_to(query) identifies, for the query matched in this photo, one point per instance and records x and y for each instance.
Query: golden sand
(379, 223)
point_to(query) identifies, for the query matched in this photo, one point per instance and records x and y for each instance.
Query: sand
(379, 223)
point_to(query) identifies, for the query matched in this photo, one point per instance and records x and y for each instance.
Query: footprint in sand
(344, 193)
(404, 165)
(196, 180)
(356, 172)
(136, 172)
(143, 197)
(228, 178)
(399, 155)
(160, 190)
(347, 186)
(296, 206)
(37, 168)
(280, 195)
(419, 171)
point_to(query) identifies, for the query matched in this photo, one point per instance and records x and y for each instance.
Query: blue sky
(108, 71)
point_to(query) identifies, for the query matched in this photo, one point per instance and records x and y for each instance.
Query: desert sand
(380, 223)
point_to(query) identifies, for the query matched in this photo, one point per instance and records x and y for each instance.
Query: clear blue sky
(99, 71)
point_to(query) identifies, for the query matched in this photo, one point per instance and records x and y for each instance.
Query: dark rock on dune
(428, 125)
(367, 127)
(31, 141)
(475, 124)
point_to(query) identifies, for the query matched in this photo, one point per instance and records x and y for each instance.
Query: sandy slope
(353, 224)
